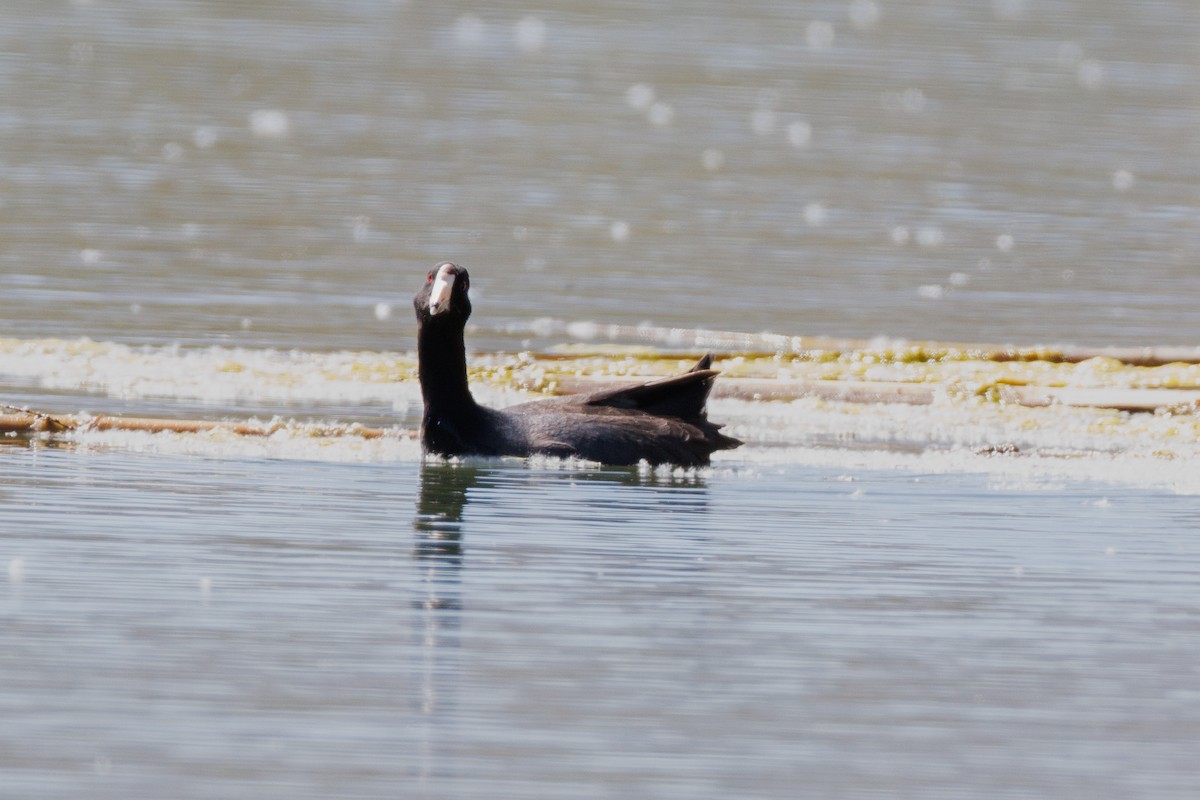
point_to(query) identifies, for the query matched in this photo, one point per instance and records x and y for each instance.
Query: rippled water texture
(221, 209)
(1011, 171)
(493, 630)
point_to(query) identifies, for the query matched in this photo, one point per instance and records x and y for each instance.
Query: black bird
(662, 422)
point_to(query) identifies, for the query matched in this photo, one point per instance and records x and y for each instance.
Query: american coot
(662, 422)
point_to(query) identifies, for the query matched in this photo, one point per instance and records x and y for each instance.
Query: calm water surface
(272, 623)
(498, 630)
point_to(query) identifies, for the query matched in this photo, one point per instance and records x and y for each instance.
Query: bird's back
(663, 421)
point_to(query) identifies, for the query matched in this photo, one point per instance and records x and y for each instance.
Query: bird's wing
(682, 396)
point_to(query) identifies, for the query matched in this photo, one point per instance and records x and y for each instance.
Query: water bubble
(1070, 54)
(1005, 242)
(864, 14)
(520, 233)
(204, 138)
(959, 279)
(1122, 180)
(583, 330)
(206, 584)
(269, 123)
(819, 35)
(90, 256)
(172, 151)
(1090, 74)
(912, 100)
(469, 30)
(541, 326)
(930, 237)
(383, 311)
(639, 96)
(900, 234)
(239, 84)
(246, 323)
(530, 34)
(712, 159)
(931, 291)
(762, 121)
(135, 308)
(362, 228)
(814, 214)
(1008, 10)
(799, 134)
(619, 231)
(660, 114)
(16, 570)
(82, 53)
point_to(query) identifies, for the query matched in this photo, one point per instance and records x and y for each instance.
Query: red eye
(429, 278)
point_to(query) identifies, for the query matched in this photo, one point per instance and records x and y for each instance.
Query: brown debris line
(27, 422)
(1138, 400)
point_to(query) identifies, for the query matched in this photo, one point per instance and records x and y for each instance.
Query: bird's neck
(442, 367)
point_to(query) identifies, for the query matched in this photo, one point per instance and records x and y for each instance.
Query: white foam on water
(712, 159)
(799, 134)
(205, 137)
(958, 433)
(210, 374)
(530, 34)
(640, 96)
(815, 214)
(1005, 472)
(819, 35)
(1090, 74)
(865, 14)
(1033, 447)
(661, 114)
(270, 123)
(292, 443)
(762, 121)
(469, 31)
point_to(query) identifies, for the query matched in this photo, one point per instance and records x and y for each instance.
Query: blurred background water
(256, 621)
(268, 173)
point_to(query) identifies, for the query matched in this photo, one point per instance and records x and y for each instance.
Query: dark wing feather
(682, 396)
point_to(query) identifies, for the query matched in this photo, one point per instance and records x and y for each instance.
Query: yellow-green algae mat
(1164, 382)
(1127, 379)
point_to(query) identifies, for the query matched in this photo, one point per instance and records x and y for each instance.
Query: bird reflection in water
(615, 500)
(438, 530)
(438, 552)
